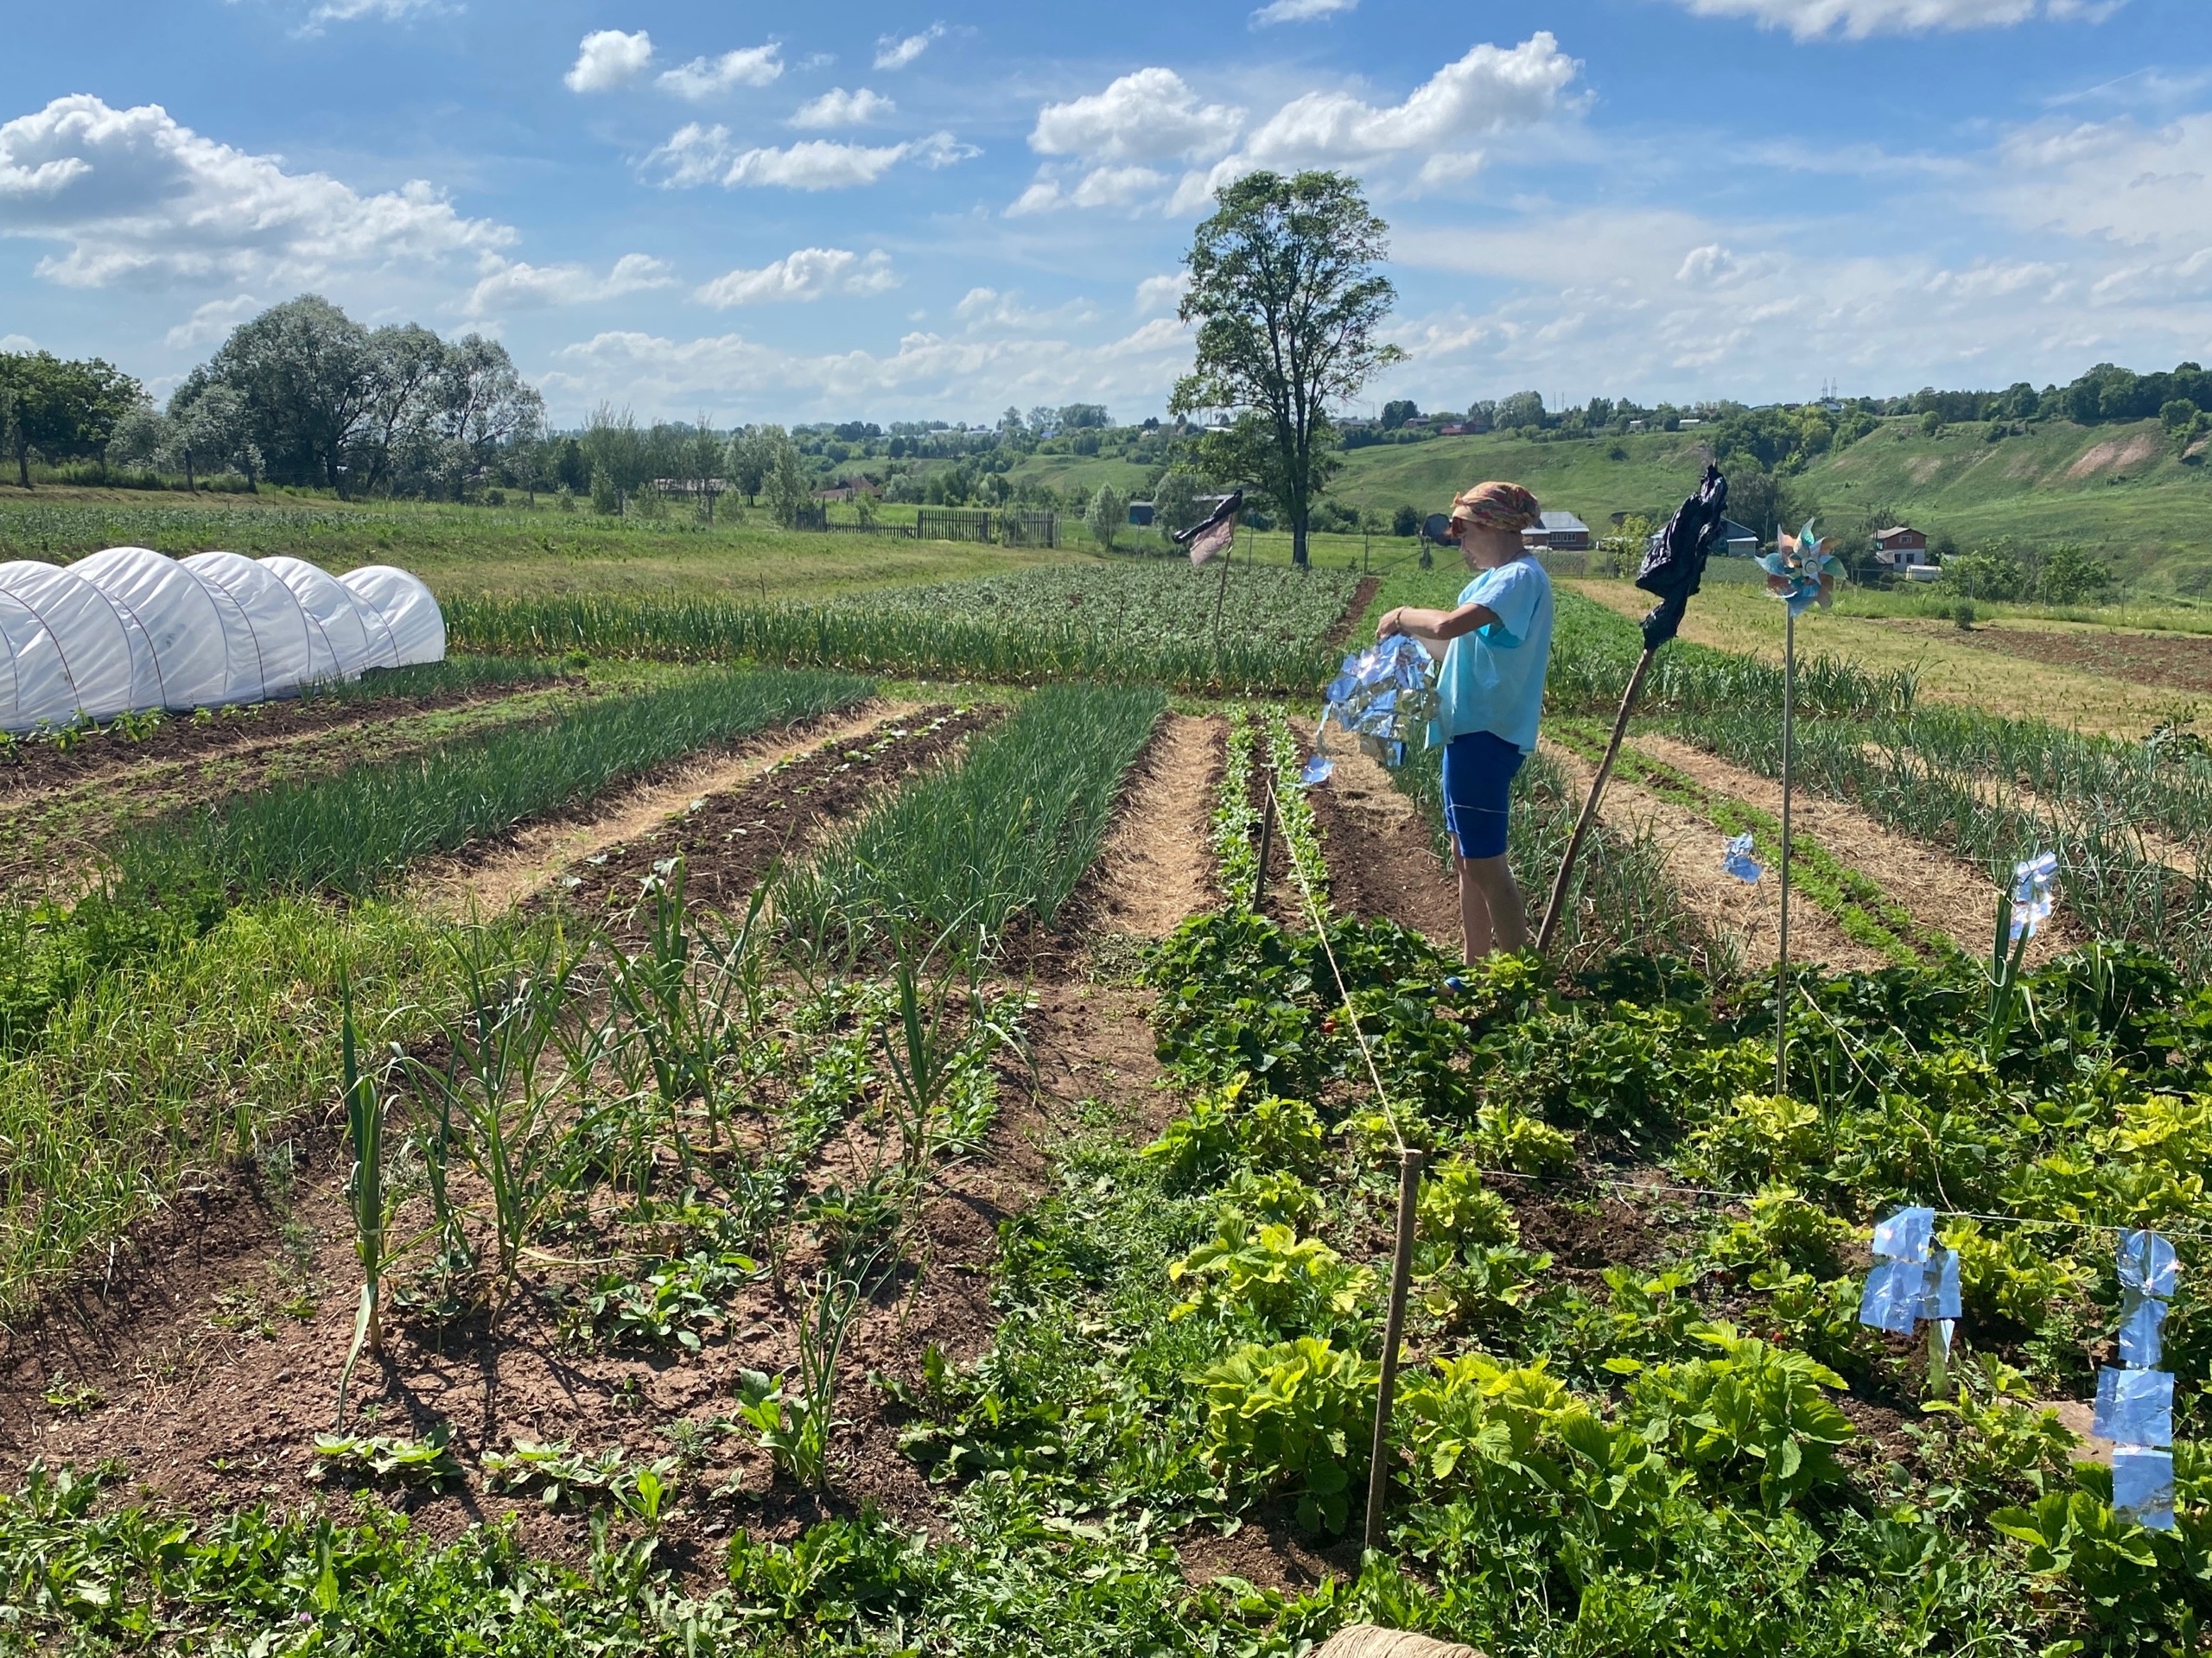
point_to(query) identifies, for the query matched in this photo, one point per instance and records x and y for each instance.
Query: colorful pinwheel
(1800, 571)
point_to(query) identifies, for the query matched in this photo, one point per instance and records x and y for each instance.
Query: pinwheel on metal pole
(1801, 574)
(1674, 566)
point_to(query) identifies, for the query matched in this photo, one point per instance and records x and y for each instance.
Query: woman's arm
(1439, 625)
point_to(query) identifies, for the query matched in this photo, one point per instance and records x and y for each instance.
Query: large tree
(59, 409)
(312, 387)
(1287, 301)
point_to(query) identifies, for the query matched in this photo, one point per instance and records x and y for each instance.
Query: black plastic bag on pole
(1674, 566)
(1673, 559)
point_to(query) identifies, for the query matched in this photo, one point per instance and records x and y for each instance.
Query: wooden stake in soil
(1402, 1268)
(1556, 906)
(1782, 942)
(1267, 850)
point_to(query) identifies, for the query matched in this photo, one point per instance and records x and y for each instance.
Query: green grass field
(506, 550)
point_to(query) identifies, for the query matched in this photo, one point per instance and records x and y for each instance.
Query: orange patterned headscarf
(1497, 506)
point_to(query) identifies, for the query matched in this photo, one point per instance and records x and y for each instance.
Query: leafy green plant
(1220, 1131)
(559, 1473)
(1291, 1415)
(426, 1461)
(1456, 1209)
(1268, 1273)
(1521, 1142)
(796, 1423)
(1754, 1407)
(1784, 1227)
(670, 1304)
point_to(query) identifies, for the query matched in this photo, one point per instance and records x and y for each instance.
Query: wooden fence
(1003, 528)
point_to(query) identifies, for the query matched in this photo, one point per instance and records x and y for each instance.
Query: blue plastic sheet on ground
(2135, 1407)
(1736, 860)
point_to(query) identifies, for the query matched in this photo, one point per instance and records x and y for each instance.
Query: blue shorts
(1478, 768)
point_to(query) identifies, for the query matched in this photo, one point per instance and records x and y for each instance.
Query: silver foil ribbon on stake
(2135, 1402)
(1913, 1283)
(1380, 696)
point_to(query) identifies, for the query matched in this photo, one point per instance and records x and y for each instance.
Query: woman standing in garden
(1495, 647)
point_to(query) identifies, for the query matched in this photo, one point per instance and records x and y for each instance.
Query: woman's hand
(1393, 622)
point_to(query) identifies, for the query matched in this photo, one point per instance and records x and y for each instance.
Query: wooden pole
(1267, 849)
(1557, 906)
(1221, 594)
(1402, 1271)
(1782, 942)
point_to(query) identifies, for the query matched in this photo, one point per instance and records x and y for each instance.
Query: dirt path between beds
(214, 1359)
(535, 856)
(1750, 916)
(1944, 894)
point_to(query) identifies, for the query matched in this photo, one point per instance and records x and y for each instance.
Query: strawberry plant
(1755, 1408)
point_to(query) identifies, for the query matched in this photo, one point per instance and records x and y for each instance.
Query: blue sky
(885, 212)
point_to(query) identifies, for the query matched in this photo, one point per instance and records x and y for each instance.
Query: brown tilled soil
(1726, 908)
(728, 837)
(214, 1347)
(492, 878)
(1362, 596)
(27, 769)
(1381, 857)
(1943, 893)
(2167, 661)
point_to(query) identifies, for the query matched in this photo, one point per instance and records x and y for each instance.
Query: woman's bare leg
(1491, 914)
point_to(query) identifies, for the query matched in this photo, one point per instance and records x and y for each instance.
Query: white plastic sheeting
(186, 634)
(411, 616)
(283, 657)
(72, 655)
(131, 628)
(337, 642)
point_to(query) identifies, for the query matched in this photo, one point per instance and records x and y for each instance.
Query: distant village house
(1902, 551)
(1561, 532)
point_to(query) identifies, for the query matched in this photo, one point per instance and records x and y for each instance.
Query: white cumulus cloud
(133, 195)
(697, 155)
(1857, 19)
(1298, 11)
(606, 58)
(1490, 88)
(703, 78)
(805, 274)
(839, 108)
(512, 285)
(211, 321)
(1149, 116)
(1157, 294)
(896, 51)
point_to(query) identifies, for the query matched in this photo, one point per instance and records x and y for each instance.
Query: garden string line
(1343, 995)
(1382, 1094)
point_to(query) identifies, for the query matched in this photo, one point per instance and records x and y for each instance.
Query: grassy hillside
(2118, 490)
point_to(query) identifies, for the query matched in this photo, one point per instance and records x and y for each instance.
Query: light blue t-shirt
(1493, 678)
